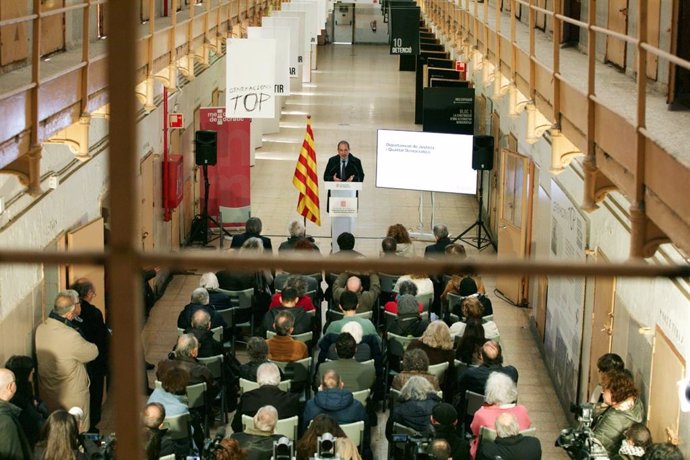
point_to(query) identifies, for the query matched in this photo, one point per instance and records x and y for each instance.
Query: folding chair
(179, 426)
(285, 427)
(362, 396)
(425, 300)
(474, 402)
(248, 385)
(242, 311)
(439, 370)
(215, 365)
(354, 431)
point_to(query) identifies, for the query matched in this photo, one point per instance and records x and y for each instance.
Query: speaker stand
(480, 241)
(200, 224)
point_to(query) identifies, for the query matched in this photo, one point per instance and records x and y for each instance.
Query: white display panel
(434, 162)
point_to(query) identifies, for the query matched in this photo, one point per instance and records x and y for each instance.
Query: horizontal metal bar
(572, 21)
(618, 35)
(185, 259)
(665, 55)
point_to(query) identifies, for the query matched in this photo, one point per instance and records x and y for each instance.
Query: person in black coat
(414, 406)
(218, 299)
(343, 167)
(442, 240)
(289, 298)
(200, 301)
(268, 393)
(34, 412)
(94, 330)
(509, 443)
(253, 228)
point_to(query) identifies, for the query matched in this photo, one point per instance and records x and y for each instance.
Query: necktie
(342, 169)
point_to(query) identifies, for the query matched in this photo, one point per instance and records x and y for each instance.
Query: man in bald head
(351, 283)
(13, 441)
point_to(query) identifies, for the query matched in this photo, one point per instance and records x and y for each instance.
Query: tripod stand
(201, 221)
(480, 241)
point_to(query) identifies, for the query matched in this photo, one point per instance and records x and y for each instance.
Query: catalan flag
(306, 180)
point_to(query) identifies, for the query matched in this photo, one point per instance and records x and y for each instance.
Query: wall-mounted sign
(449, 110)
(175, 121)
(404, 26)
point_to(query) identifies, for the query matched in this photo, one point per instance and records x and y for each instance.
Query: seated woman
(34, 412)
(218, 299)
(404, 246)
(470, 347)
(436, 343)
(458, 251)
(229, 449)
(472, 307)
(344, 447)
(501, 394)
(413, 407)
(415, 364)
(465, 287)
(404, 288)
(299, 282)
(59, 439)
(408, 321)
(172, 395)
(623, 409)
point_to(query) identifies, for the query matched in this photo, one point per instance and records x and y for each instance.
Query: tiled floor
(355, 91)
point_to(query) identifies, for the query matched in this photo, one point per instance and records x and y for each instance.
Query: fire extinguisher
(373, 25)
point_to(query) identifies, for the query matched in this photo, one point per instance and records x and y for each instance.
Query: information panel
(250, 82)
(404, 26)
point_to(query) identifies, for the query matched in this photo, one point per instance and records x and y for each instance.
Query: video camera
(580, 443)
(416, 447)
(97, 447)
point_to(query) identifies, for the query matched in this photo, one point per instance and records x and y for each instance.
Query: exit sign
(459, 66)
(175, 120)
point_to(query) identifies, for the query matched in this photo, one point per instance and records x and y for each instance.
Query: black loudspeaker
(483, 153)
(206, 147)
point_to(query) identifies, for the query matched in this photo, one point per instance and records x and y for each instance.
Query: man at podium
(344, 167)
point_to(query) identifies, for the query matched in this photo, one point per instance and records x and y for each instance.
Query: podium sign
(342, 209)
(341, 206)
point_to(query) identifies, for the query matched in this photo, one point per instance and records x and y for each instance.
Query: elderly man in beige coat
(62, 353)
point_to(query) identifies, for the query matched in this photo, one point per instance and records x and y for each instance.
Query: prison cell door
(88, 237)
(602, 321)
(617, 22)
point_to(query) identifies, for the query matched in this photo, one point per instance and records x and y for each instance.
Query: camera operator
(624, 409)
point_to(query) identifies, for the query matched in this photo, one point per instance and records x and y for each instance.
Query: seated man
(444, 421)
(366, 300)
(201, 329)
(297, 233)
(301, 283)
(346, 243)
(289, 298)
(408, 320)
(332, 399)
(157, 441)
(253, 228)
(200, 301)
(509, 443)
(258, 440)
(440, 450)
(356, 376)
(442, 240)
(348, 305)
(353, 328)
(268, 393)
(282, 347)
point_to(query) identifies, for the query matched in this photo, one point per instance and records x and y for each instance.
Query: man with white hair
(13, 441)
(200, 301)
(258, 440)
(201, 329)
(220, 300)
(297, 233)
(509, 443)
(184, 357)
(62, 354)
(268, 393)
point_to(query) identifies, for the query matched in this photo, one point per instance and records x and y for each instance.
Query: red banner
(229, 192)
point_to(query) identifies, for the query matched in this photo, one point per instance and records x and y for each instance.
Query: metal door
(344, 23)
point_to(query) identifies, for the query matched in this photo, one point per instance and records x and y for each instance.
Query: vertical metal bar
(123, 266)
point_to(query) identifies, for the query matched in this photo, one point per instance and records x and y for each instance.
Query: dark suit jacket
(238, 240)
(353, 168)
(511, 448)
(184, 319)
(303, 321)
(287, 404)
(95, 331)
(438, 248)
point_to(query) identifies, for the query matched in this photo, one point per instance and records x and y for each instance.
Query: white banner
(282, 40)
(311, 21)
(287, 30)
(305, 39)
(250, 82)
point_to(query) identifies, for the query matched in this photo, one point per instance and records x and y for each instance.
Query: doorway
(570, 35)
(617, 22)
(679, 83)
(344, 23)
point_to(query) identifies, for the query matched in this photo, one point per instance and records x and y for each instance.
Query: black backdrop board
(433, 47)
(436, 72)
(449, 110)
(428, 41)
(419, 79)
(404, 36)
(447, 83)
(407, 62)
(440, 63)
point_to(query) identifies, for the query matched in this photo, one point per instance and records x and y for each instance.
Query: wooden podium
(342, 208)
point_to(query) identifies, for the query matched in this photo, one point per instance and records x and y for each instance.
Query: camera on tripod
(580, 443)
(416, 447)
(97, 447)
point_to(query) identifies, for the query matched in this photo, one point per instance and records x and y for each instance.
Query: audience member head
(23, 369)
(467, 287)
(415, 360)
(637, 437)
(289, 297)
(346, 241)
(492, 355)
(304, 244)
(348, 301)
(8, 385)
(407, 288)
(416, 388)
(331, 380)
(253, 225)
(456, 250)
(500, 389)
(437, 335)
(507, 425)
(399, 233)
(354, 329)
(284, 323)
(296, 229)
(354, 284)
(200, 296)
(617, 387)
(389, 245)
(440, 231)
(298, 282)
(322, 423)
(229, 449)
(257, 349)
(472, 308)
(345, 346)
(663, 451)
(67, 304)
(59, 436)
(408, 305)
(472, 340)
(209, 281)
(201, 320)
(440, 449)
(153, 415)
(268, 374)
(84, 288)
(444, 414)
(187, 346)
(175, 381)
(610, 362)
(253, 244)
(265, 419)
